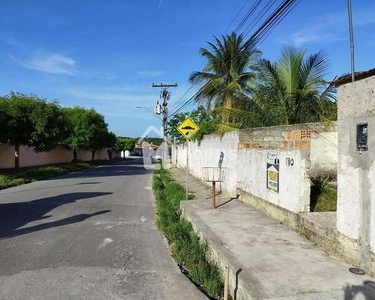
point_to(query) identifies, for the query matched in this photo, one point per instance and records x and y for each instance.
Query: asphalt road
(86, 235)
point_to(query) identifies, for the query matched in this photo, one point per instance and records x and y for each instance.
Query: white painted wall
(356, 172)
(246, 169)
(324, 152)
(294, 193)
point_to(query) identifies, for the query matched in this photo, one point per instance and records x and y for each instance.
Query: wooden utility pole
(165, 95)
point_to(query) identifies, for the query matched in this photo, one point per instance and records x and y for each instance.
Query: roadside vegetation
(187, 249)
(15, 177)
(323, 197)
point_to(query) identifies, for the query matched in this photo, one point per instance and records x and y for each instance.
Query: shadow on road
(365, 291)
(13, 216)
(109, 170)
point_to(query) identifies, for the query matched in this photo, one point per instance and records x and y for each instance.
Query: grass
(13, 177)
(188, 251)
(323, 197)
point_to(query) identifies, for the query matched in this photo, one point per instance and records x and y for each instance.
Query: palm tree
(289, 91)
(228, 70)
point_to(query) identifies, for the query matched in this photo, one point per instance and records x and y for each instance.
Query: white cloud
(52, 63)
(149, 73)
(332, 28)
(313, 36)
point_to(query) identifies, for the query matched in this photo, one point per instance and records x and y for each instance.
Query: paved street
(86, 235)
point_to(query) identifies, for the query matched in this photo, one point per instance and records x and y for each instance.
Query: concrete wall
(28, 157)
(356, 171)
(245, 159)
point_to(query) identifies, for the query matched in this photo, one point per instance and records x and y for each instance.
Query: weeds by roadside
(13, 177)
(323, 197)
(187, 250)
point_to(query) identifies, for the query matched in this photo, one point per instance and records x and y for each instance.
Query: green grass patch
(187, 249)
(13, 177)
(323, 197)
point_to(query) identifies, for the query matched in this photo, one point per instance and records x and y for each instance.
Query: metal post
(187, 169)
(213, 195)
(350, 16)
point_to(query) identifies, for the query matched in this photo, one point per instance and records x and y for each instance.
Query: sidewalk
(266, 259)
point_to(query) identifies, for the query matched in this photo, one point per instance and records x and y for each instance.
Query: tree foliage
(289, 91)
(30, 121)
(125, 143)
(86, 130)
(110, 143)
(229, 69)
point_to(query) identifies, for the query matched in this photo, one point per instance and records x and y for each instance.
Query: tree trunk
(93, 155)
(17, 156)
(110, 152)
(75, 156)
(226, 104)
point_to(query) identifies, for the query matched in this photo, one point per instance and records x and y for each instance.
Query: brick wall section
(283, 137)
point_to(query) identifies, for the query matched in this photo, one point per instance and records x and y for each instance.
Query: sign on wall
(273, 171)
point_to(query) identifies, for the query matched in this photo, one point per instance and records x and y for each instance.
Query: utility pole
(351, 35)
(165, 95)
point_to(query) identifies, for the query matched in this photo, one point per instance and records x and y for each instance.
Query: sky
(106, 54)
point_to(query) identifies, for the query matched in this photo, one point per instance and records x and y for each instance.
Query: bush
(323, 197)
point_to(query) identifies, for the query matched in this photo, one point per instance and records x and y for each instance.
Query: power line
(248, 15)
(260, 15)
(238, 13)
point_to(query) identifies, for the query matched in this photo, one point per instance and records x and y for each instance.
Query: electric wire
(238, 13)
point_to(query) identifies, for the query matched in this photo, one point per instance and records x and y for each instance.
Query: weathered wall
(245, 159)
(356, 171)
(28, 157)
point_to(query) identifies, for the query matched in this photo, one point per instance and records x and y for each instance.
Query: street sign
(188, 128)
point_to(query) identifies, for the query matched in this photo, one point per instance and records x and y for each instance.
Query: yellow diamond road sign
(188, 128)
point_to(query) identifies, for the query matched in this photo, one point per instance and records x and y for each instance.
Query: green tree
(229, 69)
(86, 130)
(96, 130)
(125, 143)
(111, 140)
(31, 121)
(289, 91)
(3, 119)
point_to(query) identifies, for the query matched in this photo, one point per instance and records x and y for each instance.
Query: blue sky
(106, 54)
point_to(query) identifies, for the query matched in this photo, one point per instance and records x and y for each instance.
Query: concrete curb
(239, 288)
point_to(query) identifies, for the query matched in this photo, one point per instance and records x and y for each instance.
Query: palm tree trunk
(17, 156)
(228, 103)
